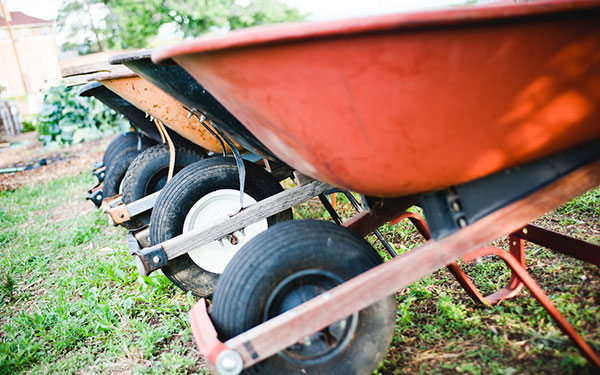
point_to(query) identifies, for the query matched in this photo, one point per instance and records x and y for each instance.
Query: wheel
(199, 194)
(115, 171)
(117, 142)
(127, 141)
(148, 174)
(287, 265)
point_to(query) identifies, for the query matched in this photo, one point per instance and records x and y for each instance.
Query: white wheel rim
(214, 256)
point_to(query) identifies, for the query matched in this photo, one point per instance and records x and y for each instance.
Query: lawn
(71, 300)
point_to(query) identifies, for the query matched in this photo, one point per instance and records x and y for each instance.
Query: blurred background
(38, 38)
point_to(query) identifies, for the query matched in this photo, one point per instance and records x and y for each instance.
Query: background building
(34, 40)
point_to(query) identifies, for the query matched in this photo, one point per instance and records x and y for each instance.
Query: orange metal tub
(397, 104)
(150, 99)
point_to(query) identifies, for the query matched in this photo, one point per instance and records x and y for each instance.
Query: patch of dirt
(71, 209)
(28, 151)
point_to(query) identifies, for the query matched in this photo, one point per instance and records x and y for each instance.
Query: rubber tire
(254, 272)
(183, 191)
(127, 141)
(116, 142)
(152, 163)
(115, 172)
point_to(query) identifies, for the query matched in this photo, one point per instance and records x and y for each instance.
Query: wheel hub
(297, 289)
(213, 257)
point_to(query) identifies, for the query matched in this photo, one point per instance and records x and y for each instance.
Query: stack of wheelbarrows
(486, 117)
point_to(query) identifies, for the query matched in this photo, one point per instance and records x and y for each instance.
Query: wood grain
(267, 207)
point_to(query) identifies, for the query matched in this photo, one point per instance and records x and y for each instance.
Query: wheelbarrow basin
(176, 82)
(156, 103)
(137, 118)
(398, 104)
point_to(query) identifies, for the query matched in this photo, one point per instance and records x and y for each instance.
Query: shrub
(28, 126)
(67, 118)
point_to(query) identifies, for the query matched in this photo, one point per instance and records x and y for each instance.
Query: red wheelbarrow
(487, 117)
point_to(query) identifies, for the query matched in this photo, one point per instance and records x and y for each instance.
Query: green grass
(71, 300)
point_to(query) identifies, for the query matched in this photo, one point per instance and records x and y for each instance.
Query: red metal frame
(510, 290)
(204, 332)
(520, 271)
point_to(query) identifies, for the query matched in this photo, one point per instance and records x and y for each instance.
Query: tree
(130, 23)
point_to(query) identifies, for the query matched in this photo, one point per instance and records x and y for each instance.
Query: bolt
(121, 215)
(156, 259)
(233, 239)
(456, 206)
(243, 232)
(462, 222)
(525, 230)
(221, 242)
(228, 364)
(514, 243)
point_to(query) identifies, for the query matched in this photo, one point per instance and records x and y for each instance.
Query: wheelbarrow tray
(404, 103)
(137, 118)
(153, 101)
(176, 82)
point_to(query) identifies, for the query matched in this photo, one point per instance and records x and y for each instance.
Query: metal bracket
(278, 170)
(450, 209)
(149, 259)
(121, 213)
(100, 173)
(95, 195)
(117, 215)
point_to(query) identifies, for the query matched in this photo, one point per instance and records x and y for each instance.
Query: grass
(71, 300)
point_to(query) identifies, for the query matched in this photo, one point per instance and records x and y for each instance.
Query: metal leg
(559, 242)
(330, 209)
(520, 272)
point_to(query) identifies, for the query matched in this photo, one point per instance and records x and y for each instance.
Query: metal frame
(360, 292)
(119, 213)
(96, 195)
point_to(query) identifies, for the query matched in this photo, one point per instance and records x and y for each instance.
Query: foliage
(131, 23)
(28, 126)
(69, 118)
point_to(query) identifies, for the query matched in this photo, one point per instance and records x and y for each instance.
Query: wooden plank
(115, 72)
(362, 291)
(87, 69)
(76, 80)
(267, 207)
(143, 237)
